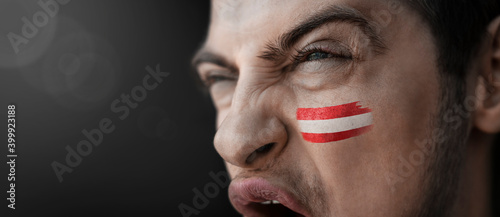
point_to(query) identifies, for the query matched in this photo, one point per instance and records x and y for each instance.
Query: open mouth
(259, 198)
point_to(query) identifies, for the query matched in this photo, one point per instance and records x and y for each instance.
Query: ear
(487, 115)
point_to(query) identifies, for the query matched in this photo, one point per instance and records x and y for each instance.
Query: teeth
(270, 202)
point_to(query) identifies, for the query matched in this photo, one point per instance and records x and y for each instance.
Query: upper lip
(247, 195)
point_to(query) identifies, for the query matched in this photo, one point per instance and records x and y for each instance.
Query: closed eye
(211, 75)
(318, 56)
(315, 54)
(212, 79)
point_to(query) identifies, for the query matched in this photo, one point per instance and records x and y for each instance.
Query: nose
(249, 140)
(251, 136)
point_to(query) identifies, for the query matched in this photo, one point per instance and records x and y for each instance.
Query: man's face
(267, 63)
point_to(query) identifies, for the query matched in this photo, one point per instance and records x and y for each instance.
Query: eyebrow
(276, 50)
(204, 55)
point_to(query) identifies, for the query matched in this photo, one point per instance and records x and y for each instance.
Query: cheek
(371, 170)
(222, 94)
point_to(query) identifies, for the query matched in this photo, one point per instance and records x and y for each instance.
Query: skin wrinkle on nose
(244, 113)
(257, 99)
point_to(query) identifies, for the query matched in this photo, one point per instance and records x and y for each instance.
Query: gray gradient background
(90, 53)
(64, 82)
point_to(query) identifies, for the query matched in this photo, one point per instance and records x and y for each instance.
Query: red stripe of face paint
(332, 112)
(332, 137)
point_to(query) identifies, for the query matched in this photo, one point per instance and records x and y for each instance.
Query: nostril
(261, 150)
(265, 148)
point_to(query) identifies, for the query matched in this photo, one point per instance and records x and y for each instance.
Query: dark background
(64, 81)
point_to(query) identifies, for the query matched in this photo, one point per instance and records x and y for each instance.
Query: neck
(474, 190)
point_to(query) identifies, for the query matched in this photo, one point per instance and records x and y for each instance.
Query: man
(355, 107)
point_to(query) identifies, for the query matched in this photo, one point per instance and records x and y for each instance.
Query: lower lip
(256, 190)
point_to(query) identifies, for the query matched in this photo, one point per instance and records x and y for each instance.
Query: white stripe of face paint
(337, 124)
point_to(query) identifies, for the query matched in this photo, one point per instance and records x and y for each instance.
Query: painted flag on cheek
(335, 123)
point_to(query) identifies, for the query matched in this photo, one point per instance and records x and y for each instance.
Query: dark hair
(459, 27)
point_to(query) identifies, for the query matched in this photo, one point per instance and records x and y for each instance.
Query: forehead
(249, 24)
